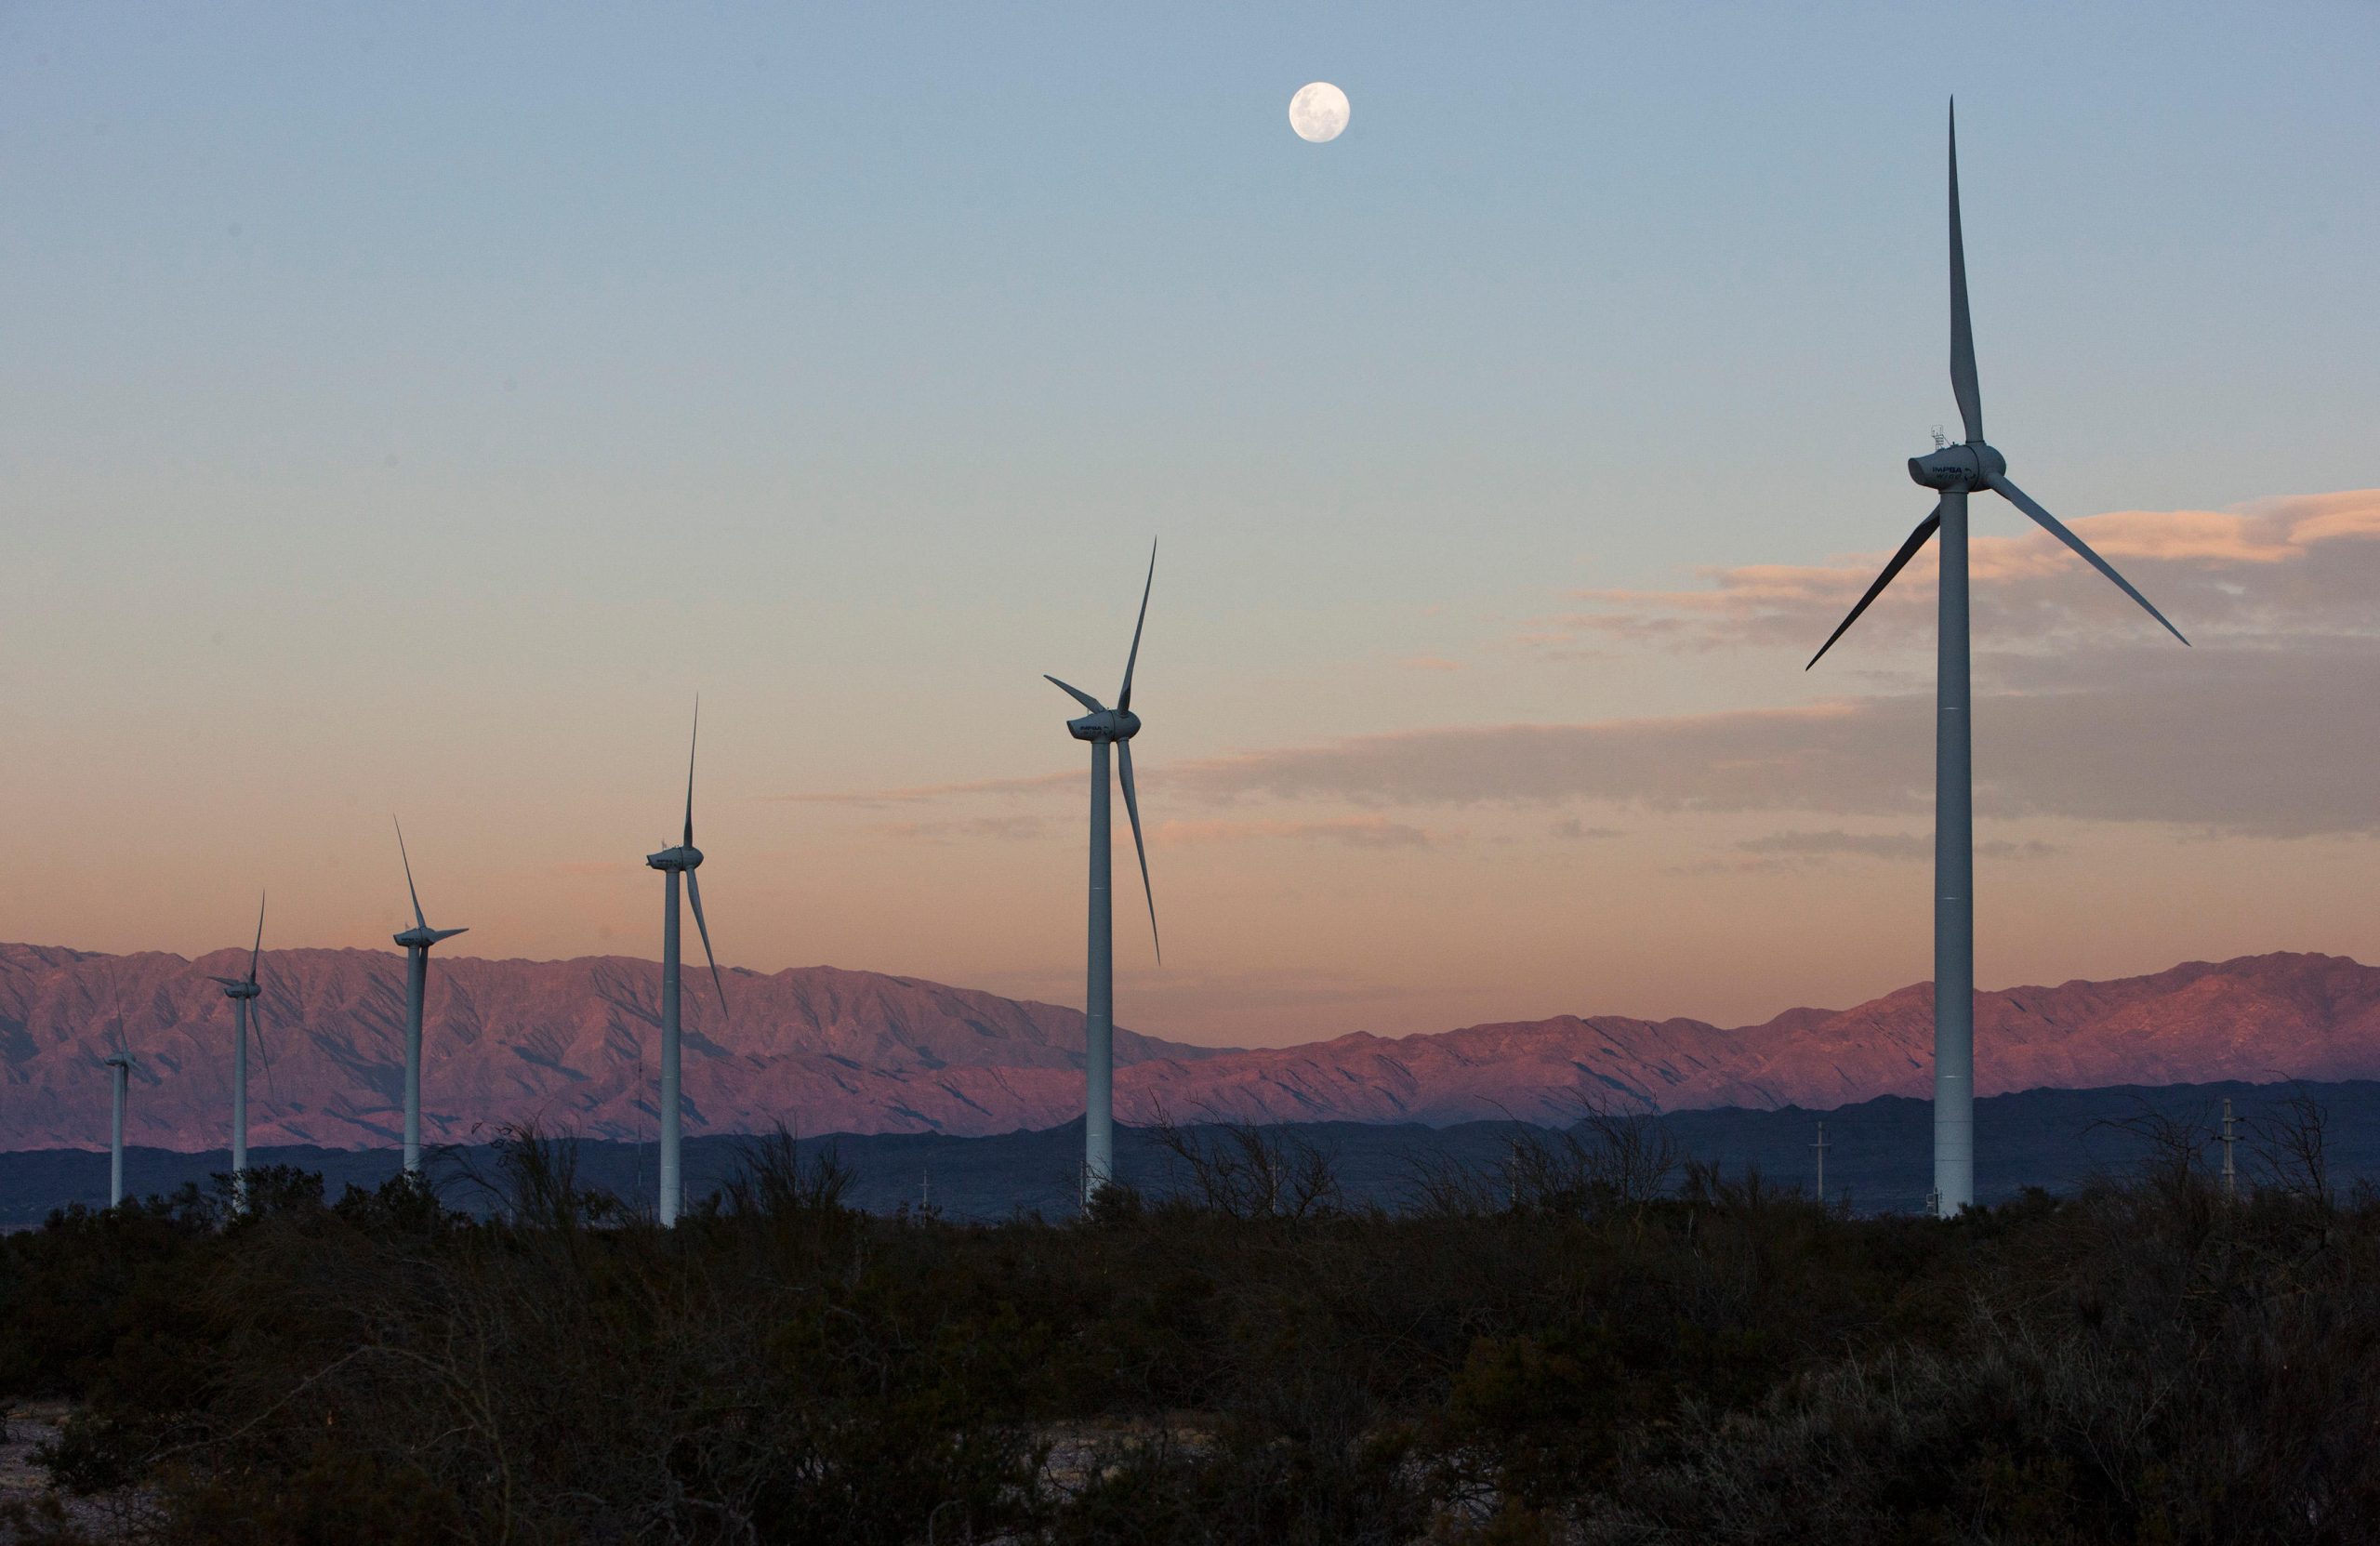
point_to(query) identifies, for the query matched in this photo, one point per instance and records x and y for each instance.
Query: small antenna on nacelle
(1940, 440)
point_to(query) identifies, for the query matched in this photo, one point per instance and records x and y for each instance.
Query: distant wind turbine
(417, 942)
(684, 859)
(243, 991)
(1102, 727)
(119, 1066)
(1956, 472)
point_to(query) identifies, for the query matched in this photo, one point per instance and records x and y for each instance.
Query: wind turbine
(242, 991)
(119, 1067)
(1104, 727)
(1957, 471)
(416, 941)
(684, 859)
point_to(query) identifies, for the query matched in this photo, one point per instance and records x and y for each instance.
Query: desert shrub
(1592, 1342)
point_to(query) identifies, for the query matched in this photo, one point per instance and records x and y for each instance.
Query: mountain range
(570, 1046)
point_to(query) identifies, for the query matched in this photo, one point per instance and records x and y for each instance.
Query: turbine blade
(446, 933)
(1076, 693)
(690, 742)
(115, 999)
(256, 1020)
(1124, 697)
(257, 949)
(1963, 381)
(417, 919)
(2051, 524)
(694, 895)
(1132, 809)
(1917, 539)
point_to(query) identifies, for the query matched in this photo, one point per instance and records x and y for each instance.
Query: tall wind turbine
(242, 991)
(684, 859)
(417, 942)
(1104, 727)
(119, 1067)
(1957, 471)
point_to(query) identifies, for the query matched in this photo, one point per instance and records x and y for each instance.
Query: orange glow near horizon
(1716, 866)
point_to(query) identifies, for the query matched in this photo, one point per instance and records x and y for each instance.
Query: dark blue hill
(1879, 1157)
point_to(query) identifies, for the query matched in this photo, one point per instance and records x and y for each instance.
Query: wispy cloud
(1429, 662)
(2243, 736)
(1888, 847)
(1749, 759)
(2269, 727)
(1349, 831)
(866, 799)
(1896, 846)
(1009, 828)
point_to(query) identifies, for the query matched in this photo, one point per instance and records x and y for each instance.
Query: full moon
(1318, 112)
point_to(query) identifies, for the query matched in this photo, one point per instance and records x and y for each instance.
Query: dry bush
(1591, 1343)
(1242, 1170)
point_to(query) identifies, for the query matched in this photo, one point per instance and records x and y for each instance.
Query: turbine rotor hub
(1108, 724)
(1971, 466)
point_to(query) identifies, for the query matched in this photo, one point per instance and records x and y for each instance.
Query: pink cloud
(2255, 565)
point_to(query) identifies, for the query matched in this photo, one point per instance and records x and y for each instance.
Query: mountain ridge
(569, 1045)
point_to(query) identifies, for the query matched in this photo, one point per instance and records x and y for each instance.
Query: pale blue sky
(415, 404)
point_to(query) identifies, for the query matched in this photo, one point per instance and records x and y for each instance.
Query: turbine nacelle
(1116, 727)
(421, 937)
(239, 987)
(1106, 724)
(1971, 466)
(683, 856)
(122, 1060)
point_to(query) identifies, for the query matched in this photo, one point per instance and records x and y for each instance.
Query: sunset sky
(411, 409)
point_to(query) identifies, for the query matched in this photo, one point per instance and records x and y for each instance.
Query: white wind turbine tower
(417, 942)
(119, 1067)
(684, 859)
(1102, 727)
(243, 992)
(1957, 471)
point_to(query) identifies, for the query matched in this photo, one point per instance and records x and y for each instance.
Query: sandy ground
(22, 1482)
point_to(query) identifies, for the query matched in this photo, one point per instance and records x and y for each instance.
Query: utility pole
(1820, 1147)
(2231, 1137)
(925, 1191)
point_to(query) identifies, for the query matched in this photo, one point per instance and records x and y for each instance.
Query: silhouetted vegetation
(1594, 1341)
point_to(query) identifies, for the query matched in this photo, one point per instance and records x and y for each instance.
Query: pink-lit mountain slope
(570, 1045)
(2258, 1018)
